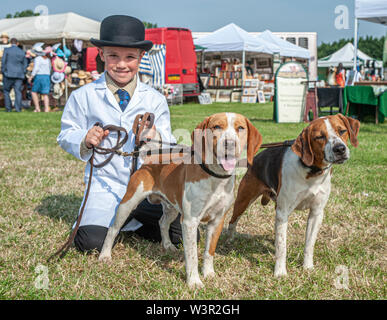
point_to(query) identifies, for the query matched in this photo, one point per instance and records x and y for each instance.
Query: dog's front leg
(281, 225)
(169, 215)
(189, 228)
(123, 212)
(314, 223)
(214, 229)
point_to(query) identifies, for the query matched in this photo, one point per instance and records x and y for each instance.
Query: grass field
(42, 187)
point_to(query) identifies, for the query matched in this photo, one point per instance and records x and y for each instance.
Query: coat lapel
(137, 96)
(108, 96)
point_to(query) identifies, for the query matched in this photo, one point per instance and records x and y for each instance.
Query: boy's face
(121, 63)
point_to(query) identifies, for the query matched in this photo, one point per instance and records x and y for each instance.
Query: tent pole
(66, 83)
(243, 66)
(355, 45)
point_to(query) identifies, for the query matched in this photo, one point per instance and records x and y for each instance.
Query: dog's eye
(240, 128)
(217, 127)
(341, 132)
(319, 138)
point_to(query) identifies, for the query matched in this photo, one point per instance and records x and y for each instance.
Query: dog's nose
(229, 144)
(339, 149)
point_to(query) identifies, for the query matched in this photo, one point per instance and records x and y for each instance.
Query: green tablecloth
(361, 98)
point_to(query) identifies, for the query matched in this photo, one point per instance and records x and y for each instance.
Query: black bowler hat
(122, 31)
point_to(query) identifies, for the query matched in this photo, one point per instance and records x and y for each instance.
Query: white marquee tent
(232, 38)
(51, 27)
(287, 49)
(345, 56)
(369, 10)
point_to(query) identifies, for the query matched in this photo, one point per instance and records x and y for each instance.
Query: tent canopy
(344, 55)
(51, 27)
(371, 10)
(233, 38)
(286, 49)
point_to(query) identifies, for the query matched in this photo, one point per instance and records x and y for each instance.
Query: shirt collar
(113, 87)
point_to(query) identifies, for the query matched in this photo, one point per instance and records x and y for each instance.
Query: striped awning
(153, 64)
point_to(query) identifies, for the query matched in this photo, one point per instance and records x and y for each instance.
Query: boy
(116, 98)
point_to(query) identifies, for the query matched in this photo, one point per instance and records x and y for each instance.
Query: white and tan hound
(297, 177)
(201, 190)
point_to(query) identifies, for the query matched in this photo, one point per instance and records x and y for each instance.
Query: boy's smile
(121, 63)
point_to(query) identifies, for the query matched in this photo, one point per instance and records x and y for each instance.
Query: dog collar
(314, 170)
(211, 173)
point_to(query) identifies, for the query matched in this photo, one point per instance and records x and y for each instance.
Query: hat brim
(146, 44)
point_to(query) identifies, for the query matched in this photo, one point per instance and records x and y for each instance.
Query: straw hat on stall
(82, 74)
(4, 35)
(68, 70)
(57, 91)
(57, 77)
(58, 65)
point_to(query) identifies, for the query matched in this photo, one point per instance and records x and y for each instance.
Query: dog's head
(222, 138)
(324, 141)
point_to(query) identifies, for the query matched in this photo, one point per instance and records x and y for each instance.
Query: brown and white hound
(297, 177)
(202, 190)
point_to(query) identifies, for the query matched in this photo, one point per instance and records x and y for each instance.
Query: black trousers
(91, 237)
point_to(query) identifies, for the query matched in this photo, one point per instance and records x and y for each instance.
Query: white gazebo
(369, 10)
(286, 49)
(232, 38)
(345, 55)
(51, 28)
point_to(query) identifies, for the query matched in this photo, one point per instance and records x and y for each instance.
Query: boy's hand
(94, 136)
(148, 133)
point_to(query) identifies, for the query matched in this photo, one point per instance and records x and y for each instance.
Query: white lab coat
(93, 103)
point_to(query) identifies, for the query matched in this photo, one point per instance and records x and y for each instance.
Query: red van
(180, 57)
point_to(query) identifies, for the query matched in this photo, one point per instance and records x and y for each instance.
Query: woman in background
(41, 76)
(340, 76)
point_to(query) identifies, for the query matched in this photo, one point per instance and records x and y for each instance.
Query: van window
(303, 42)
(291, 40)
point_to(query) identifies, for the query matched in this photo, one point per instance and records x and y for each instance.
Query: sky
(208, 15)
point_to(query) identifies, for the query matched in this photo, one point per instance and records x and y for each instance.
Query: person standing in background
(13, 68)
(4, 41)
(41, 77)
(340, 76)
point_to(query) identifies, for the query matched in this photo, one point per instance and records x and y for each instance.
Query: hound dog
(297, 177)
(201, 190)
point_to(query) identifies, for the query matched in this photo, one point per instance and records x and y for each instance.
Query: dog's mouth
(340, 160)
(228, 163)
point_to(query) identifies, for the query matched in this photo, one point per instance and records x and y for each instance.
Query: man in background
(13, 68)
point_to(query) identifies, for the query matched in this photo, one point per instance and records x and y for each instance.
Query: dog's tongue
(228, 164)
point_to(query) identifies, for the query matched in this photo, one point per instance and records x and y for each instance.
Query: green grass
(41, 189)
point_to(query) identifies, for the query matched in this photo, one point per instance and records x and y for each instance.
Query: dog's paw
(209, 274)
(169, 247)
(105, 259)
(280, 272)
(195, 283)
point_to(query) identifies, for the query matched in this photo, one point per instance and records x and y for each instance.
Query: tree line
(370, 45)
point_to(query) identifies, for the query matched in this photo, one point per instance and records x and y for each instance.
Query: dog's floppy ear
(302, 147)
(254, 141)
(198, 137)
(353, 127)
(199, 129)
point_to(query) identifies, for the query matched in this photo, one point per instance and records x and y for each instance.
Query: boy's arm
(74, 130)
(163, 122)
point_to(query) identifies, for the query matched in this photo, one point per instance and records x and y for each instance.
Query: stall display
(290, 92)
(173, 93)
